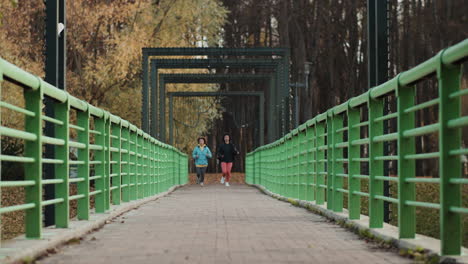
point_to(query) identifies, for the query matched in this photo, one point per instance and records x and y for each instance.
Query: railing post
(320, 163)
(125, 134)
(116, 178)
(62, 113)
(406, 167)
(33, 170)
(311, 162)
(83, 168)
(376, 167)
(354, 166)
(107, 163)
(450, 165)
(152, 169)
(139, 164)
(133, 162)
(303, 175)
(337, 154)
(100, 166)
(330, 176)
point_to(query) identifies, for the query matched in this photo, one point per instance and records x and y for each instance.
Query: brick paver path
(215, 224)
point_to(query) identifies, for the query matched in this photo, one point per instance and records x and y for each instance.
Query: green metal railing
(322, 159)
(116, 161)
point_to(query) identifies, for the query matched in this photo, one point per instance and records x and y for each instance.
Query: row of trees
(332, 37)
(104, 42)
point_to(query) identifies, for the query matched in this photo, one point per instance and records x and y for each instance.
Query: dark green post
(406, 167)
(337, 156)
(33, 170)
(376, 167)
(62, 169)
(450, 165)
(83, 168)
(354, 166)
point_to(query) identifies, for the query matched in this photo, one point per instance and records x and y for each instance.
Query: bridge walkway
(217, 224)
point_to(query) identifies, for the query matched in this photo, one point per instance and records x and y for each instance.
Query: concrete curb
(388, 234)
(22, 250)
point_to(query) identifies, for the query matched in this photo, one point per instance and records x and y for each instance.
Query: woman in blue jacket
(201, 154)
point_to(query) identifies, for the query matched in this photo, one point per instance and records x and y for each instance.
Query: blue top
(201, 155)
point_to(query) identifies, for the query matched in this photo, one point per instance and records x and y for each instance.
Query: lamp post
(55, 68)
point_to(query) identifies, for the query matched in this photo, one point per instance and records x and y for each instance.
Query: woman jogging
(201, 154)
(226, 153)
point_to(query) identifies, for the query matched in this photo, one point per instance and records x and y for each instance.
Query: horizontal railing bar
(423, 204)
(458, 122)
(95, 192)
(76, 162)
(94, 177)
(95, 147)
(343, 129)
(391, 157)
(459, 181)
(360, 159)
(419, 131)
(386, 178)
(52, 141)
(341, 145)
(52, 161)
(386, 117)
(16, 159)
(365, 123)
(359, 176)
(387, 199)
(53, 201)
(51, 181)
(387, 137)
(422, 105)
(458, 210)
(361, 141)
(423, 180)
(52, 120)
(91, 131)
(361, 193)
(342, 190)
(15, 208)
(344, 175)
(459, 93)
(76, 127)
(15, 133)
(459, 152)
(16, 183)
(431, 155)
(72, 180)
(17, 109)
(76, 197)
(73, 144)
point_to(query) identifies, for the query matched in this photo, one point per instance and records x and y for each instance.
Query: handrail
(119, 170)
(308, 164)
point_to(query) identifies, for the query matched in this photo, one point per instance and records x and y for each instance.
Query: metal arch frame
(261, 112)
(283, 82)
(274, 100)
(209, 78)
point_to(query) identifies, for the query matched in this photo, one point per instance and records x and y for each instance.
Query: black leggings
(201, 174)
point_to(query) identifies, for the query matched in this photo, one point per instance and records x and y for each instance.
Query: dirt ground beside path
(213, 178)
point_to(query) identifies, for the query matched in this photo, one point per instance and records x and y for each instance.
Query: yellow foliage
(104, 42)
